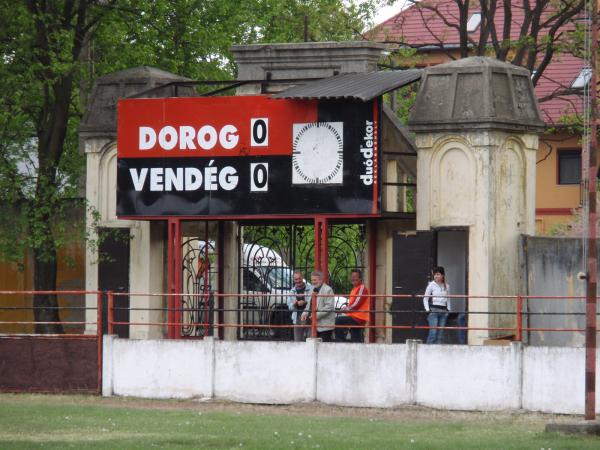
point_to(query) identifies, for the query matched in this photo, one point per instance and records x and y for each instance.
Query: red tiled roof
(558, 76)
(418, 26)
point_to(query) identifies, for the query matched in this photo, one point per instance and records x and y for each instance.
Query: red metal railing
(26, 310)
(176, 312)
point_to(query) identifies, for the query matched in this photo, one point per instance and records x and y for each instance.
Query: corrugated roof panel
(355, 86)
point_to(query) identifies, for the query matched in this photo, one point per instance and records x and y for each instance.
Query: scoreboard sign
(246, 155)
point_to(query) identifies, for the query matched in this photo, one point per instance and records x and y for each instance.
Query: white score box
(259, 177)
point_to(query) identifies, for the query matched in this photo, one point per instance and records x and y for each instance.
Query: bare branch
(560, 93)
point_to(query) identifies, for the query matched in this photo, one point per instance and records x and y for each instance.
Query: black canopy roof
(355, 86)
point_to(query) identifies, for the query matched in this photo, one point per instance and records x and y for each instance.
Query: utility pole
(592, 260)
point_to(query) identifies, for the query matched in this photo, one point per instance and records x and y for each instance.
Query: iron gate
(269, 254)
(199, 281)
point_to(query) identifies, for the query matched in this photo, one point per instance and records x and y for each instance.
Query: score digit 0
(259, 177)
(259, 132)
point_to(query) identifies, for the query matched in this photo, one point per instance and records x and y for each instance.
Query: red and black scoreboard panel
(246, 155)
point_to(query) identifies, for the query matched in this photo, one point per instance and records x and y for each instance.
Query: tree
(523, 32)
(50, 54)
(41, 45)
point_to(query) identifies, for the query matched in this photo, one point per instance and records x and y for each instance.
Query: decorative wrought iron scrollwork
(347, 247)
(199, 279)
(270, 254)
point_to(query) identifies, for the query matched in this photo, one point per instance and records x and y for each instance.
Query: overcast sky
(385, 12)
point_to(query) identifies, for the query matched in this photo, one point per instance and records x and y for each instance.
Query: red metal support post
(178, 281)
(170, 276)
(99, 338)
(317, 245)
(325, 249)
(519, 318)
(174, 278)
(221, 281)
(322, 246)
(592, 262)
(111, 313)
(372, 277)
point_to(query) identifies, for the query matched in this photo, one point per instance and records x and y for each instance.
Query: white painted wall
(348, 375)
(548, 379)
(160, 368)
(557, 386)
(265, 372)
(468, 377)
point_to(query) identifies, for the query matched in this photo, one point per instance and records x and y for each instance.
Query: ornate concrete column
(97, 139)
(476, 122)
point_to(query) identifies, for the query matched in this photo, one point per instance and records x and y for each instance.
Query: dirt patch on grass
(314, 409)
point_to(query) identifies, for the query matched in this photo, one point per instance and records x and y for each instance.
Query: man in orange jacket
(356, 313)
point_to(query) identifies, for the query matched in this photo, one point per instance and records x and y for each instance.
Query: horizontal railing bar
(340, 311)
(393, 296)
(49, 335)
(50, 292)
(11, 308)
(46, 323)
(390, 296)
(393, 327)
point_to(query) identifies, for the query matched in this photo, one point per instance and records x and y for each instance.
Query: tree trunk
(44, 279)
(463, 12)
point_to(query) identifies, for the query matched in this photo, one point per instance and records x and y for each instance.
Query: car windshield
(280, 278)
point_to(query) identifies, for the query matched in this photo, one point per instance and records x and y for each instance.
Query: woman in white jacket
(436, 303)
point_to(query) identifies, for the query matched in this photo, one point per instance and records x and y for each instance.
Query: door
(413, 259)
(200, 277)
(113, 275)
(452, 254)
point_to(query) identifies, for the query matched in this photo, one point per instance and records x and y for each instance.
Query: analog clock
(318, 153)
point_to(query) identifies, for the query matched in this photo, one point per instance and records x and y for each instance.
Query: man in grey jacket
(325, 307)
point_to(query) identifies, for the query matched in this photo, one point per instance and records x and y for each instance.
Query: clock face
(318, 153)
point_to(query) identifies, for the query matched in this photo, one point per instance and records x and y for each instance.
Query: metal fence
(68, 359)
(273, 319)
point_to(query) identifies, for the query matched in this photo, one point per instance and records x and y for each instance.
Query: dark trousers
(356, 334)
(326, 336)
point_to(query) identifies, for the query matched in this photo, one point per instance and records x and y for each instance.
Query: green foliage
(402, 100)
(193, 37)
(50, 55)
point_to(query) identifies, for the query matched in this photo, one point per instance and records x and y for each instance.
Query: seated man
(299, 296)
(356, 313)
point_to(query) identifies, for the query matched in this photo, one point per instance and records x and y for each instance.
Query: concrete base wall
(545, 379)
(355, 375)
(560, 384)
(480, 378)
(265, 372)
(158, 368)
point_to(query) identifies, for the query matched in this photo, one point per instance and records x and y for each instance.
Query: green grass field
(39, 421)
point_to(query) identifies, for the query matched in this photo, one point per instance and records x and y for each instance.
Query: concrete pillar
(305, 60)
(230, 277)
(97, 137)
(476, 123)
